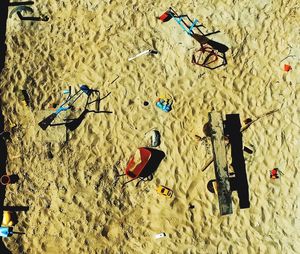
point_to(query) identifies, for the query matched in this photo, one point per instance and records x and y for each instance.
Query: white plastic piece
(160, 235)
(140, 54)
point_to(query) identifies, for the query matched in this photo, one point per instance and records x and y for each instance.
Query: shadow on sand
(152, 165)
(240, 184)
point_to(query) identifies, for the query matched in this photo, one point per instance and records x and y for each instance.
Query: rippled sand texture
(74, 207)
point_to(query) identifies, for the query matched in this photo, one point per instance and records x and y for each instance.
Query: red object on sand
(136, 164)
(287, 67)
(274, 173)
(165, 16)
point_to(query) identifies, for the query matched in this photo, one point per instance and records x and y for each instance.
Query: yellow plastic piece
(7, 219)
(165, 191)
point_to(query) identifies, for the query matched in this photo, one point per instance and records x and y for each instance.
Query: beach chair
(136, 165)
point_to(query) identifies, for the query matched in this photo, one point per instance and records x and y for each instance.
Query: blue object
(5, 231)
(60, 109)
(164, 106)
(192, 26)
(179, 21)
(85, 89)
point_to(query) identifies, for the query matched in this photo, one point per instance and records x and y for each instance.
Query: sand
(73, 205)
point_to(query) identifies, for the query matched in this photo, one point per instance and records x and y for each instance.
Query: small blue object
(5, 231)
(164, 105)
(85, 89)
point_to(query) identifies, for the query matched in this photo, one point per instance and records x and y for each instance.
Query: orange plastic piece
(164, 16)
(287, 67)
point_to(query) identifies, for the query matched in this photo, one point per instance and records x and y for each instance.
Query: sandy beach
(74, 205)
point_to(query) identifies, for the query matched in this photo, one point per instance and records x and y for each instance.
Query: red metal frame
(212, 54)
(132, 170)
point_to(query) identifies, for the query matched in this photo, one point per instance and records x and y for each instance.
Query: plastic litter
(160, 235)
(275, 173)
(287, 67)
(146, 52)
(5, 231)
(165, 106)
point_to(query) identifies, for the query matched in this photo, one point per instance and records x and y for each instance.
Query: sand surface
(73, 205)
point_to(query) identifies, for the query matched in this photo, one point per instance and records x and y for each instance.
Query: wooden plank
(220, 163)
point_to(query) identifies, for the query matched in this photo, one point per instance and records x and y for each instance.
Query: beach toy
(8, 231)
(5, 231)
(7, 220)
(287, 67)
(164, 105)
(5, 179)
(274, 173)
(165, 191)
(160, 235)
